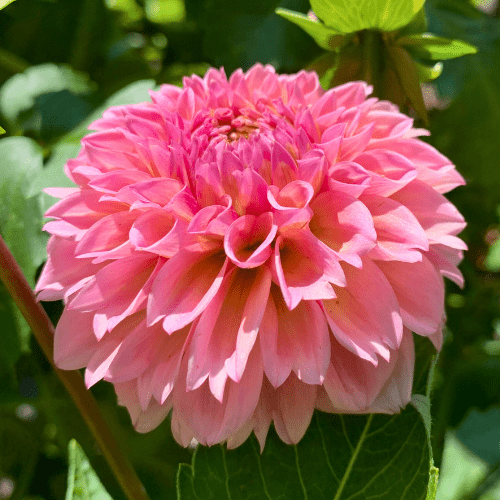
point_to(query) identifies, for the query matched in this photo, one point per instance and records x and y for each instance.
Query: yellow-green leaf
(327, 38)
(435, 48)
(4, 3)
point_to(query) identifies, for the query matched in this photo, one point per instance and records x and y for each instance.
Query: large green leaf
(347, 16)
(18, 94)
(20, 213)
(327, 38)
(20, 227)
(83, 483)
(435, 48)
(341, 457)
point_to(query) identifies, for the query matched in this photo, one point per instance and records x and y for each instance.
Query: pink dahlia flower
(244, 251)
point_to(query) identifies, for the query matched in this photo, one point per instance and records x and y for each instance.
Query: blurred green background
(62, 61)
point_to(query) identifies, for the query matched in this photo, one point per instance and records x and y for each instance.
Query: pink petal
(248, 239)
(158, 232)
(295, 401)
(434, 212)
(396, 393)
(184, 287)
(304, 268)
(285, 347)
(420, 292)
(359, 319)
(390, 171)
(63, 273)
(83, 209)
(227, 329)
(74, 340)
(399, 234)
(344, 224)
(107, 234)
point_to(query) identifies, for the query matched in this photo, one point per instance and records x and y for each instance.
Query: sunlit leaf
(347, 16)
(428, 73)
(2, 131)
(327, 38)
(428, 46)
(4, 3)
(83, 482)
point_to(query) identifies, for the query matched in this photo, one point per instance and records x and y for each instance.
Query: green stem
(371, 58)
(43, 330)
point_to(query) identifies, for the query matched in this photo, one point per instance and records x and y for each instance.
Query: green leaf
(407, 73)
(20, 212)
(492, 261)
(2, 130)
(18, 93)
(340, 457)
(21, 228)
(347, 16)
(327, 38)
(435, 48)
(4, 3)
(428, 73)
(83, 482)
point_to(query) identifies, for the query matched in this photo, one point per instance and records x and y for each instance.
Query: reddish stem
(43, 330)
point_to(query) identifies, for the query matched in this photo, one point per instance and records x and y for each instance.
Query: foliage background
(62, 60)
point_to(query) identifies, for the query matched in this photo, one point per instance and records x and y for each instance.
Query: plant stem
(40, 324)
(371, 44)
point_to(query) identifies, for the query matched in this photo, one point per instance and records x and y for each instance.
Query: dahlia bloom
(242, 251)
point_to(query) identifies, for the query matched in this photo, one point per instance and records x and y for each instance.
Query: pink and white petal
(399, 234)
(359, 320)
(344, 224)
(184, 287)
(420, 293)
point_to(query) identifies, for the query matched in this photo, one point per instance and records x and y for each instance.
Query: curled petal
(248, 239)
